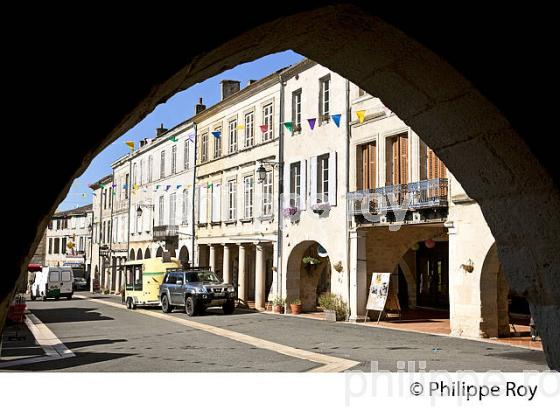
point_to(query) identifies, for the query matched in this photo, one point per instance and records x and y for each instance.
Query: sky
(174, 111)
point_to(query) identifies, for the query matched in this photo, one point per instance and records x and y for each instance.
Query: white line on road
(54, 349)
(330, 363)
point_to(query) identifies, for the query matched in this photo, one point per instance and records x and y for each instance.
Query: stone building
(236, 206)
(101, 255)
(68, 240)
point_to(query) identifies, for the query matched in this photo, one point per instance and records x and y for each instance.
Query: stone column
(260, 276)
(117, 275)
(241, 274)
(226, 264)
(358, 275)
(212, 261)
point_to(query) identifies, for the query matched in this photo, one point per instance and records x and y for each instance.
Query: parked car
(53, 282)
(80, 283)
(195, 289)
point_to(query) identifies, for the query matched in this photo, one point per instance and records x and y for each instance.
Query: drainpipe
(347, 187)
(111, 229)
(193, 197)
(280, 189)
(99, 243)
(129, 190)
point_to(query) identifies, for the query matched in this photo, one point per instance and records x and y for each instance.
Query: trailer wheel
(130, 304)
(165, 305)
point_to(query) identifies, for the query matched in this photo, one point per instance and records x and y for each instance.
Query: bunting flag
(264, 128)
(174, 139)
(217, 134)
(130, 144)
(190, 136)
(312, 122)
(125, 186)
(135, 187)
(167, 188)
(289, 126)
(336, 119)
(102, 186)
(84, 195)
(114, 193)
(209, 185)
(114, 185)
(361, 115)
(94, 194)
(240, 127)
(178, 186)
(157, 187)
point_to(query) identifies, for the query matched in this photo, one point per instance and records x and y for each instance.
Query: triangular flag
(174, 139)
(336, 119)
(217, 134)
(311, 122)
(361, 115)
(125, 186)
(135, 186)
(209, 185)
(94, 194)
(114, 193)
(167, 187)
(264, 128)
(84, 195)
(240, 127)
(114, 185)
(178, 186)
(289, 126)
(102, 186)
(157, 187)
(130, 144)
(190, 137)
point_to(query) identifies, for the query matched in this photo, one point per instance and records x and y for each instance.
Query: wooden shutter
(303, 183)
(365, 167)
(216, 202)
(436, 168)
(395, 167)
(332, 178)
(313, 180)
(372, 166)
(202, 207)
(403, 159)
(287, 186)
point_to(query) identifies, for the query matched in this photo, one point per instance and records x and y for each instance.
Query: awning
(34, 267)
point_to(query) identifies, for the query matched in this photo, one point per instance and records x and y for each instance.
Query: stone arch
(472, 136)
(410, 282)
(304, 281)
(159, 252)
(493, 297)
(139, 254)
(147, 254)
(184, 255)
(132, 255)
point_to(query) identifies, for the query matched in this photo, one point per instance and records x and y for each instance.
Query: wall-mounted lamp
(468, 267)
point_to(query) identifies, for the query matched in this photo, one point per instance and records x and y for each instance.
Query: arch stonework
(132, 255)
(184, 254)
(139, 254)
(473, 138)
(159, 252)
(147, 254)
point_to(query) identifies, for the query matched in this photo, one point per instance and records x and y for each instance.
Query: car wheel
(69, 296)
(165, 306)
(228, 307)
(44, 298)
(190, 306)
(33, 297)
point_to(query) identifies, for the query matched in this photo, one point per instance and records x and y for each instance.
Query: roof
(76, 211)
(105, 180)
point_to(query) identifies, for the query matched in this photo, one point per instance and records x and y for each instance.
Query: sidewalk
(24, 348)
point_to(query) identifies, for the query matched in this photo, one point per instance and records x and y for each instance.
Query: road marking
(52, 346)
(329, 363)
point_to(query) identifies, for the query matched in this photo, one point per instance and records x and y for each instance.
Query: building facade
(68, 240)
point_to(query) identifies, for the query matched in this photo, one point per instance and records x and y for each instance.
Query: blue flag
(217, 134)
(336, 119)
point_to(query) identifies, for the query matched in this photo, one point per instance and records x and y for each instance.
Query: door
(66, 280)
(174, 288)
(54, 282)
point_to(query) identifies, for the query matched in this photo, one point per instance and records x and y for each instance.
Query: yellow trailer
(143, 279)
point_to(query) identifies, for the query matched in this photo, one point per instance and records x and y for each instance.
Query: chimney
(229, 87)
(199, 107)
(160, 130)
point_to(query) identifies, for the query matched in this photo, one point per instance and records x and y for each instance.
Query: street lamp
(139, 212)
(261, 173)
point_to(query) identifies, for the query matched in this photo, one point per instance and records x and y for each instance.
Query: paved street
(108, 338)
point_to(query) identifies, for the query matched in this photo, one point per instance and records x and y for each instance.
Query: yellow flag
(240, 127)
(130, 144)
(135, 186)
(361, 115)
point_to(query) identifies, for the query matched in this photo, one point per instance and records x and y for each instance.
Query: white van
(53, 282)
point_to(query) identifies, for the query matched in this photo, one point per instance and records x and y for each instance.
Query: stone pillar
(212, 261)
(117, 275)
(241, 274)
(358, 275)
(226, 264)
(260, 276)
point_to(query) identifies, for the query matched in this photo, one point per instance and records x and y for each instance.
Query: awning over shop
(34, 267)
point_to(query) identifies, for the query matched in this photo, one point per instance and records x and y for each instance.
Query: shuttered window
(369, 165)
(396, 160)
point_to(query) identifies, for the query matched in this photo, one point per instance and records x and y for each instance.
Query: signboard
(378, 291)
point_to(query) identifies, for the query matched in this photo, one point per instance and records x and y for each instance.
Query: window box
(230, 221)
(246, 220)
(266, 218)
(292, 213)
(320, 207)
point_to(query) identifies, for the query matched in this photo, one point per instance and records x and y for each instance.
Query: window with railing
(267, 121)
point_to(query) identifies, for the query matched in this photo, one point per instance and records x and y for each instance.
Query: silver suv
(195, 289)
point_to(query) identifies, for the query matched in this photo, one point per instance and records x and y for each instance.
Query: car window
(180, 277)
(202, 277)
(54, 276)
(171, 279)
(66, 277)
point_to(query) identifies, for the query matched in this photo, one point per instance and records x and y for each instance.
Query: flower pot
(330, 315)
(278, 309)
(296, 309)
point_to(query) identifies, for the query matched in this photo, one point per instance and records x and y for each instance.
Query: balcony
(166, 232)
(430, 195)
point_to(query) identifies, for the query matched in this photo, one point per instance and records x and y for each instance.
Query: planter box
(278, 309)
(295, 309)
(330, 315)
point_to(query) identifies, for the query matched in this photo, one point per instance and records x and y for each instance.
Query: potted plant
(320, 207)
(295, 306)
(333, 306)
(278, 304)
(292, 213)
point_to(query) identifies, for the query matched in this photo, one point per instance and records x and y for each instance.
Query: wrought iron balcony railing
(164, 232)
(414, 196)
